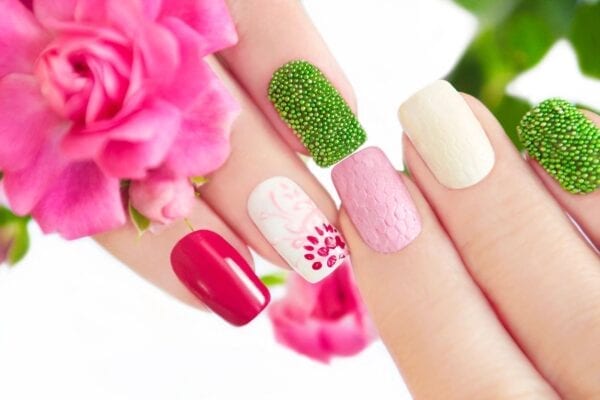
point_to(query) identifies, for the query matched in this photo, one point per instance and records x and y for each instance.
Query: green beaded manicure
(317, 113)
(565, 143)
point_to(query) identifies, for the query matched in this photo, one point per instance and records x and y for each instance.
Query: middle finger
(269, 197)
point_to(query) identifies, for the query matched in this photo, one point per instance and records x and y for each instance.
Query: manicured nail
(447, 135)
(565, 143)
(317, 113)
(296, 228)
(377, 201)
(219, 276)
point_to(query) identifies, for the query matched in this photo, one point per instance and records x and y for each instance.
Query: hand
(498, 296)
(272, 33)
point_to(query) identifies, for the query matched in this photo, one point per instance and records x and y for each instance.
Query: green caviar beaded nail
(317, 113)
(565, 143)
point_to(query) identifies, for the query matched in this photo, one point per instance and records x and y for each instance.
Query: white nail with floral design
(296, 228)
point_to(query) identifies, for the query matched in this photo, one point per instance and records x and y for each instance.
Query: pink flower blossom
(162, 199)
(324, 319)
(93, 92)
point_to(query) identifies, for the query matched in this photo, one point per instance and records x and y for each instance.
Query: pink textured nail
(377, 201)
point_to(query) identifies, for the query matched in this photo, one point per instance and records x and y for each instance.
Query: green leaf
(514, 36)
(14, 236)
(585, 37)
(274, 279)
(198, 180)
(509, 112)
(489, 11)
(141, 222)
(511, 45)
(20, 244)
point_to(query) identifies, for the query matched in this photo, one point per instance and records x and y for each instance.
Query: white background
(76, 324)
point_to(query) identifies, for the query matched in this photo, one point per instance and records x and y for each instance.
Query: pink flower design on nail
(319, 246)
(297, 229)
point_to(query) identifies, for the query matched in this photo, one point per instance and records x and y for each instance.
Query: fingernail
(219, 276)
(447, 135)
(565, 143)
(377, 201)
(296, 228)
(317, 113)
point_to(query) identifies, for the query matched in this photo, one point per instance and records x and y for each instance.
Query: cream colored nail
(447, 135)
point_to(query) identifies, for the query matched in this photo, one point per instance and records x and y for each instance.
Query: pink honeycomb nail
(377, 201)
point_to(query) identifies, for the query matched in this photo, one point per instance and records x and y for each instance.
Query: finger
(268, 196)
(314, 98)
(201, 275)
(437, 325)
(518, 245)
(566, 142)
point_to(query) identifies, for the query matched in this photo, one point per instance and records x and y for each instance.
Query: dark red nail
(219, 276)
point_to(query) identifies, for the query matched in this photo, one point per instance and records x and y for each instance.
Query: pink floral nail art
(296, 228)
(323, 245)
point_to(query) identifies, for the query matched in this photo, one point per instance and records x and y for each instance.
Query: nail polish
(296, 228)
(219, 276)
(565, 143)
(316, 112)
(447, 135)
(377, 201)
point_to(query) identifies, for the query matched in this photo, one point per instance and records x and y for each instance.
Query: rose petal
(347, 336)
(83, 201)
(208, 112)
(334, 323)
(302, 336)
(132, 160)
(49, 11)
(52, 12)
(25, 121)
(26, 187)
(154, 119)
(199, 148)
(161, 198)
(158, 47)
(210, 18)
(22, 38)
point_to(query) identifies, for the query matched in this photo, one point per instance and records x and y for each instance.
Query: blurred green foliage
(14, 238)
(513, 36)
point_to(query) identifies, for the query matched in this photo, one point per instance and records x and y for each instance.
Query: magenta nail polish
(377, 200)
(219, 276)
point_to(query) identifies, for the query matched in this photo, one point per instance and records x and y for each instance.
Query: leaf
(509, 112)
(514, 36)
(509, 46)
(198, 180)
(141, 222)
(489, 11)
(585, 37)
(20, 244)
(274, 279)
(14, 236)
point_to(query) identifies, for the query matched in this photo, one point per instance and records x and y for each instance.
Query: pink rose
(93, 92)
(162, 199)
(324, 319)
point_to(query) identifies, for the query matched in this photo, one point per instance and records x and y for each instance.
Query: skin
(498, 297)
